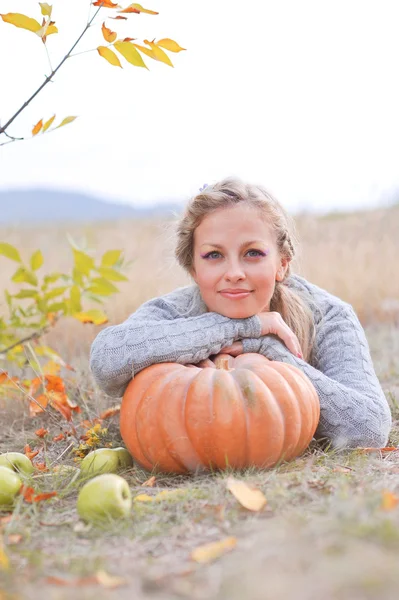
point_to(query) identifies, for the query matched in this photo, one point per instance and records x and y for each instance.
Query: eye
(209, 254)
(257, 252)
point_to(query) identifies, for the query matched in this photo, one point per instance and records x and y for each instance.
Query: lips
(235, 291)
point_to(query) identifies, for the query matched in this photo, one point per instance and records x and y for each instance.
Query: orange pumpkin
(236, 412)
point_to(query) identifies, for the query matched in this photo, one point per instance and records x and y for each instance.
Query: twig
(46, 81)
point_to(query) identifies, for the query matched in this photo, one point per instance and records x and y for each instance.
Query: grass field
(329, 528)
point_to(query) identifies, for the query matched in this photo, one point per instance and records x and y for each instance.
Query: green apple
(105, 460)
(10, 485)
(18, 462)
(125, 458)
(104, 498)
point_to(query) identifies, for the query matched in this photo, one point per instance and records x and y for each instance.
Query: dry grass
(323, 532)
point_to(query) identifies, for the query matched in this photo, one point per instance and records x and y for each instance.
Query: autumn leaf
(27, 492)
(119, 17)
(137, 8)
(385, 450)
(214, 550)
(109, 36)
(109, 55)
(48, 123)
(170, 45)
(46, 9)
(110, 412)
(41, 432)
(44, 496)
(29, 452)
(37, 406)
(41, 467)
(37, 127)
(59, 437)
(22, 21)
(4, 560)
(389, 500)
(130, 53)
(95, 316)
(109, 581)
(14, 538)
(66, 121)
(105, 3)
(249, 497)
(150, 482)
(143, 498)
(159, 54)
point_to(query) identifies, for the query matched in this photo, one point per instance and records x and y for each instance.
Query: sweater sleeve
(353, 408)
(157, 333)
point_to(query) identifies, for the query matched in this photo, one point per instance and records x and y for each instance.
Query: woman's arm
(158, 333)
(354, 410)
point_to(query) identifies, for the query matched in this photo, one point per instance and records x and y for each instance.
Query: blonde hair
(292, 306)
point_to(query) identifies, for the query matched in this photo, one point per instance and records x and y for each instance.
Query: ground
(329, 529)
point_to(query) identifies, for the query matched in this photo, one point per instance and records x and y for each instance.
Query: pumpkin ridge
(158, 396)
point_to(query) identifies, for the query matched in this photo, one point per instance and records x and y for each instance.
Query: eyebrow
(242, 245)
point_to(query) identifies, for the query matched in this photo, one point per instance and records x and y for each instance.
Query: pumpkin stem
(223, 363)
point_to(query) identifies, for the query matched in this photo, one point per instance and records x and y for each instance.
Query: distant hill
(45, 206)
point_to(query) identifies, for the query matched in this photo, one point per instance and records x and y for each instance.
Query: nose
(234, 271)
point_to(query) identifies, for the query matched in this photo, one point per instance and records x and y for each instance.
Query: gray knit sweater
(177, 327)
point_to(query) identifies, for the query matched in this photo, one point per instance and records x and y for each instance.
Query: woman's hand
(234, 350)
(273, 322)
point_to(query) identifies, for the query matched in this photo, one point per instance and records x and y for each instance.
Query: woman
(235, 241)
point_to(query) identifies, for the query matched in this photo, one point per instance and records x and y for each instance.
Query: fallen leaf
(249, 497)
(214, 550)
(59, 437)
(29, 452)
(170, 494)
(384, 450)
(44, 496)
(342, 470)
(150, 482)
(110, 412)
(27, 492)
(389, 500)
(41, 432)
(109, 581)
(143, 498)
(4, 560)
(40, 466)
(14, 538)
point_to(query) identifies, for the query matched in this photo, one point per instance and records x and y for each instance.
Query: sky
(301, 97)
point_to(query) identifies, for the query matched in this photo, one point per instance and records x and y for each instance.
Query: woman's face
(235, 250)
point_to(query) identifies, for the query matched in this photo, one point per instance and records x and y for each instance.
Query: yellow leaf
(137, 8)
(145, 50)
(110, 258)
(46, 9)
(51, 368)
(92, 316)
(109, 55)
(109, 36)
(66, 121)
(129, 52)
(36, 260)
(143, 498)
(37, 127)
(4, 560)
(111, 274)
(109, 581)
(208, 552)
(389, 500)
(9, 251)
(48, 123)
(170, 45)
(22, 21)
(159, 54)
(169, 494)
(247, 496)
